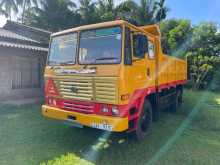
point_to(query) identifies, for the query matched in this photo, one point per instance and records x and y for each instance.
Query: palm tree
(146, 12)
(53, 15)
(106, 10)
(10, 6)
(162, 10)
(88, 12)
(3, 12)
(127, 10)
(27, 3)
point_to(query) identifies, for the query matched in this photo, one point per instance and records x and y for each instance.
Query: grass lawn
(26, 138)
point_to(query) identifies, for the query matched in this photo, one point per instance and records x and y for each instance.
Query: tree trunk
(23, 12)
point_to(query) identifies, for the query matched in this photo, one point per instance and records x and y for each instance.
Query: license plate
(103, 126)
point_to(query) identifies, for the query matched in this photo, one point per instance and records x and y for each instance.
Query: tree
(203, 70)
(206, 39)
(27, 3)
(128, 9)
(176, 36)
(204, 56)
(146, 12)
(88, 12)
(106, 10)
(10, 6)
(3, 12)
(161, 10)
(53, 15)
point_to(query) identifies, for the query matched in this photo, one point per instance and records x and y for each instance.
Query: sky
(195, 10)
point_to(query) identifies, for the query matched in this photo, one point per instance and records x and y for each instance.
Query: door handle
(148, 72)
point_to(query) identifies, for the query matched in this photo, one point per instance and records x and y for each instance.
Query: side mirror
(141, 45)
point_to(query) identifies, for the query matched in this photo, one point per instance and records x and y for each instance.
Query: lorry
(111, 76)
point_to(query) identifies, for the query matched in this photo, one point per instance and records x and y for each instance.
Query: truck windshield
(100, 46)
(63, 49)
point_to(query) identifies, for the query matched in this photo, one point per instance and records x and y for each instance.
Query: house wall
(9, 58)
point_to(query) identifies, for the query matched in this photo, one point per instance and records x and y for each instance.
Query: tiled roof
(16, 35)
(29, 47)
(29, 27)
(33, 33)
(8, 34)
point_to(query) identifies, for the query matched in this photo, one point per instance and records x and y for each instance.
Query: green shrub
(68, 159)
(203, 71)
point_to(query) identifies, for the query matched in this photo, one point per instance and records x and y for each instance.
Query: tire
(156, 115)
(144, 122)
(177, 101)
(156, 110)
(179, 97)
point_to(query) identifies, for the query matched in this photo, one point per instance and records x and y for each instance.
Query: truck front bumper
(115, 124)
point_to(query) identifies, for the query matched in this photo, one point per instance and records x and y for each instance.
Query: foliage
(161, 10)
(3, 12)
(205, 39)
(88, 11)
(202, 69)
(175, 36)
(68, 159)
(53, 15)
(27, 3)
(9, 7)
(204, 56)
(106, 10)
(128, 10)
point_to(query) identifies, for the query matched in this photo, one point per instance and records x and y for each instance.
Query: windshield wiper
(66, 62)
(106, 58)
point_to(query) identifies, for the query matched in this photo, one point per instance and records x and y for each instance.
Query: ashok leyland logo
(75, 71)
(74, 89)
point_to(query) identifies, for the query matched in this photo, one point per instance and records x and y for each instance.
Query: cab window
(151, 53)
(140, 45)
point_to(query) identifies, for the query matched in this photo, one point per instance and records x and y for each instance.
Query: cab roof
(92, 26)
(151, 30)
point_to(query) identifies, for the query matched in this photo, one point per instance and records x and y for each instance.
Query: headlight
(115, 111)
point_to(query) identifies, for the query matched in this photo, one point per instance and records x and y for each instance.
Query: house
(23, 53)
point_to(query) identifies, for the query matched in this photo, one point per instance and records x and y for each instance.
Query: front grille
(80, 107)
(106, 90)
(101, 89)
(83, 87)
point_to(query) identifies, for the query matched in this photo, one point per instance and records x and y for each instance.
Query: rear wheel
(144, 121)
(179, 97)
(176, 101)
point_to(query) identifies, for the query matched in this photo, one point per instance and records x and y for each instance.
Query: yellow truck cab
(111, 76)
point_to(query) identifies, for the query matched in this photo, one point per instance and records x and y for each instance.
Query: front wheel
(144, 121)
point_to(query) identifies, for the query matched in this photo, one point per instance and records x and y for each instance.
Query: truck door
(144, 67)
(139, 66)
